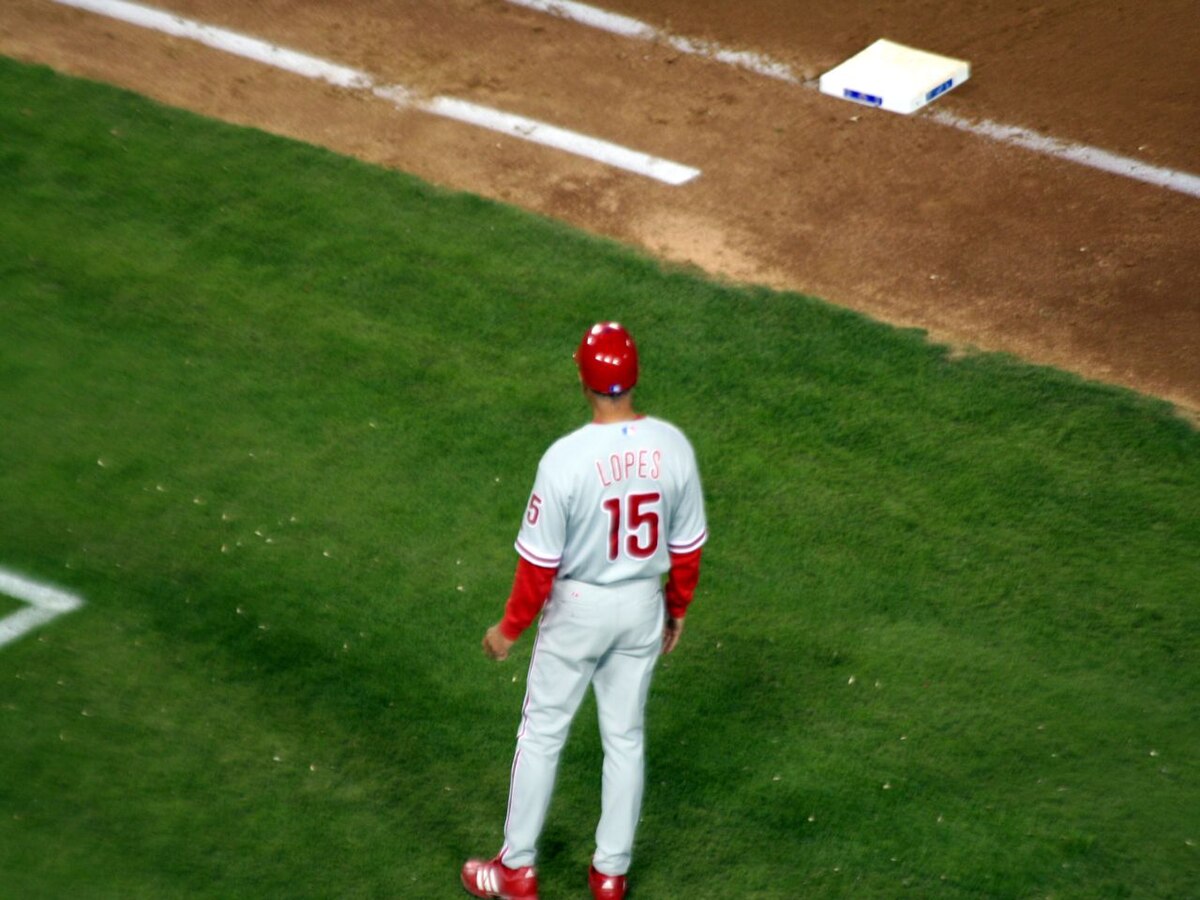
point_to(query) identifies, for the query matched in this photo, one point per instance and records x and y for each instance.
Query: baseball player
(615, 505)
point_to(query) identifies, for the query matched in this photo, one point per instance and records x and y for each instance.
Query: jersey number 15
(640, 521)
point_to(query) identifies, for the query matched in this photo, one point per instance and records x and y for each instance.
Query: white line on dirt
(45, 604)
(1082, 154)
(632, 28)
(602, 151)
(1093, 157)
(228, 41)
(248, 47)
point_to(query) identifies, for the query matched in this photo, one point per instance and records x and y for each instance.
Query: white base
(894, 77)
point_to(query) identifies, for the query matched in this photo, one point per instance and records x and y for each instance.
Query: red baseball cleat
(606, 887)
(496, 881)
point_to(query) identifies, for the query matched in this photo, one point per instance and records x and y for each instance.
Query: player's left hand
(495, 644)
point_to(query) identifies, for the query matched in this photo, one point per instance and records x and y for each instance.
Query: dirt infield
(983, 244)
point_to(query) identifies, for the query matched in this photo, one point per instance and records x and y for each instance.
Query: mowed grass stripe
(275, 414)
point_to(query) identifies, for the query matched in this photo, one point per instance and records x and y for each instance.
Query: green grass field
(275, 413)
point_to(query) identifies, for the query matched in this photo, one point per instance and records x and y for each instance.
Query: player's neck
(606, 410)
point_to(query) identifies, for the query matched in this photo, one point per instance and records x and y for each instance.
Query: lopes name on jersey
(643, 463)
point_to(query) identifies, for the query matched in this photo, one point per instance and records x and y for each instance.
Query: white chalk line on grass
(45, 604)
(520, 127)
(1082, 154)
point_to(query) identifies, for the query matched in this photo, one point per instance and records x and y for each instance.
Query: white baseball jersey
(612, 501)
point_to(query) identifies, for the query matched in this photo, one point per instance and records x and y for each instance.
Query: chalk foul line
(45, 604)
(1081, 154)
(1093, 157)
(314, 67)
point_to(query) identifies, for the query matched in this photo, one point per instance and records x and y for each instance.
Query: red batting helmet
(607, 359)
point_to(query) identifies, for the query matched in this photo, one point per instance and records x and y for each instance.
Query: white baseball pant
(609, 637)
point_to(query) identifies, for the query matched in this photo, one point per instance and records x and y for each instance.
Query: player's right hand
(671, 632)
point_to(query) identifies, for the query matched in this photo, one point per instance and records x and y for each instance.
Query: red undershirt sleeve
(531, 587)
(682, 581)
